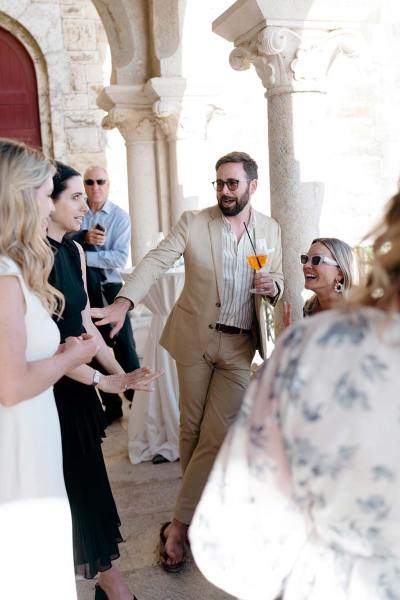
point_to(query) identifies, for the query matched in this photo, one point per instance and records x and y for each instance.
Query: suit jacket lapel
(215, 228)
(260, 230)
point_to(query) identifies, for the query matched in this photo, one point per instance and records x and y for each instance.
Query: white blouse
(304, 497)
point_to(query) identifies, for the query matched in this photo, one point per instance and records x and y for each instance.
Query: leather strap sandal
(164, 556)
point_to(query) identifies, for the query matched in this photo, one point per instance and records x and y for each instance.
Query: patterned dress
(304, 497)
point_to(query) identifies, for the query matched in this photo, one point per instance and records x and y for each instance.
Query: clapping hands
(79, 350)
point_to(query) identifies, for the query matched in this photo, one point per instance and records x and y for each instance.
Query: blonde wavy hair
(382, 288)
(344, 255)
(23, 171)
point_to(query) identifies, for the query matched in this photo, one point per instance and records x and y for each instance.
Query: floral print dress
(304, 498)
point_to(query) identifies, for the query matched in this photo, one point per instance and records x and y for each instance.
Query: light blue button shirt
(113, 255)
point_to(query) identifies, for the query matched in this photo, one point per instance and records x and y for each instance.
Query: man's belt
(230, 329)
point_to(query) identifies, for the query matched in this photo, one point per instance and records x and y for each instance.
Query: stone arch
(144, 37)
(167, 21)
(126, 26)
(31, 45)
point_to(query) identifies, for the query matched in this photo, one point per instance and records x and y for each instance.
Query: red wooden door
(19, 110)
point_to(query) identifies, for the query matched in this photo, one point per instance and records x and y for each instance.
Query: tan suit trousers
(210, 395)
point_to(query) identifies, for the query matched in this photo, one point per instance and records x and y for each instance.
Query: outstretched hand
(114, 313)
(140, 379)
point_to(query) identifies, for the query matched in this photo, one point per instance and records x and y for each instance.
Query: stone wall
(85, 44)
(68, 45)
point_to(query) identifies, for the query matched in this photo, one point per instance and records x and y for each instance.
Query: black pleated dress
(95, 519)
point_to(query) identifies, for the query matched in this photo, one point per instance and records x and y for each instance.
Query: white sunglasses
(317, 260)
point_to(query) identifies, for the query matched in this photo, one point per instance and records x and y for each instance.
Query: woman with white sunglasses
(329, 269)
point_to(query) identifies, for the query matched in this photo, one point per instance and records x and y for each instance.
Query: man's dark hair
(63, 173)
(249, 164)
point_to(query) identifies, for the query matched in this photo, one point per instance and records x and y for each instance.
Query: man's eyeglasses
(232, 184)
(317, 260)
(93, 181)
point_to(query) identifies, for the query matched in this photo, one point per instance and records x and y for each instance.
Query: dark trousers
(123, 344)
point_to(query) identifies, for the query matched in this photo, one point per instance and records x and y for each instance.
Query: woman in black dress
(94, 515)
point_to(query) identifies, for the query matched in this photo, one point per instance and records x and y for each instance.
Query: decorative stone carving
(144, 112)
(119, 117)
(165, 94)
(166, 107)
(293, 60)
(134, 126)
(144, 131)
(157, 110)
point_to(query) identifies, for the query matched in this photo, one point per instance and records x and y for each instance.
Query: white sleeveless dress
(35, 523)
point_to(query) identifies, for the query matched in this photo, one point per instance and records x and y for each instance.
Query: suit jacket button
(218, 305)
(211, 326)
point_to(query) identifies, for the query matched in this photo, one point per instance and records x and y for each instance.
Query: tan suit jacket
(198, 237)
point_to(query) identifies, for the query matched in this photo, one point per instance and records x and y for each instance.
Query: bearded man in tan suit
(212, 331)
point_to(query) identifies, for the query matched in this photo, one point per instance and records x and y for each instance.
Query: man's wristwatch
(96, 378)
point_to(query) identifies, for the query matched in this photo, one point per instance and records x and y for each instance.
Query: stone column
(164, 132)
(147, 117)
(292, 54)
(293, 65)
(183, 119)
(129, 109)
(142, 134)
(187, 166)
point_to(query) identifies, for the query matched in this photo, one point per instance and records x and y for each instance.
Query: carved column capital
(165, 94)
(157, 110)
(165, 107)
(191, 122)
(120, 117)
(139, 112)
(294, 60)
(136, 126)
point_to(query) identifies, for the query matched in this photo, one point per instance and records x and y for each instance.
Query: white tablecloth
(154, 416)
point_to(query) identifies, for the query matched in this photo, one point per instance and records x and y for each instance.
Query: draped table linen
(154, 417)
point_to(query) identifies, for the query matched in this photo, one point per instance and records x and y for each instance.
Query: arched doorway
(19, 110)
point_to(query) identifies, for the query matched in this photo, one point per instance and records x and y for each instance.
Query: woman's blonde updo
(23, 171)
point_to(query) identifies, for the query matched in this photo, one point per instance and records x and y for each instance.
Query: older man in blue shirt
(105, 236)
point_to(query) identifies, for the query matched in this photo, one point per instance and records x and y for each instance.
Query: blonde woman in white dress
(35, 523)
